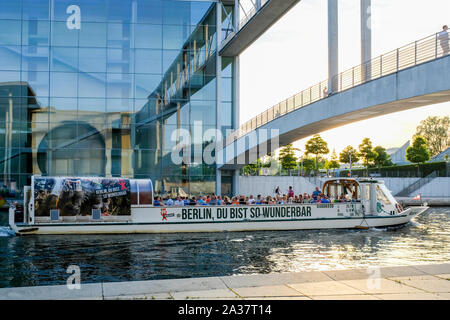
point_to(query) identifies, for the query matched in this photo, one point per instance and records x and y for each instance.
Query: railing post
(415, 52)
(436, 46)
(398, 59)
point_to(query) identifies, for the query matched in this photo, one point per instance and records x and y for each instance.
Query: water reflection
(42, 260)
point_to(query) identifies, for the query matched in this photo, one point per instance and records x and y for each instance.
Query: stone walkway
(389, 283)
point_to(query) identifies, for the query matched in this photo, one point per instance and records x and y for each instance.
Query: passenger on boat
(179, 202)
(158, 202)
(251, 200)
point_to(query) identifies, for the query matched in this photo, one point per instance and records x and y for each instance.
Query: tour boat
(93, 205)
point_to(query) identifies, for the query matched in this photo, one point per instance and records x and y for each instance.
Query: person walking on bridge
(443, 38)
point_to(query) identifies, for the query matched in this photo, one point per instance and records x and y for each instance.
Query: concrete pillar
(218, 95)
(366, 37)
(333, 46)
(235, 184)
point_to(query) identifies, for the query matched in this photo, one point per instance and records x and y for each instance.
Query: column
(218, 94)
(366, 38)
(333, 46)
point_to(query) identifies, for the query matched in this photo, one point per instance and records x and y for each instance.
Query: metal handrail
(415, 53)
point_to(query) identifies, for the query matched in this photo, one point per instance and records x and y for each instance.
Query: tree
(366, 152)
(287, 157)
(333, 163)
(344, 156)
(308, 164)
(418, 152)
(436, 131)
(382, 159)
(316, 146)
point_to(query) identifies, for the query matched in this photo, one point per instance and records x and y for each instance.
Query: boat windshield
(342, 189)
(382, 197)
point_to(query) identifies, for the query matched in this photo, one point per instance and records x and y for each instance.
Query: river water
(43, 260)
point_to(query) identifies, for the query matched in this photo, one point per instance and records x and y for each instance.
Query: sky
(293, 55)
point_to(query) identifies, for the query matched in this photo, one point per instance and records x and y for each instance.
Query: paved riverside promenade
(421, 282)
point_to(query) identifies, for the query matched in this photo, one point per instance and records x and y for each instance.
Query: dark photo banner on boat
(80, 196)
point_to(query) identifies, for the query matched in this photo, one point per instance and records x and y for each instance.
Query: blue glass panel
(10, 57)
(38, 81)
(148, 36)
(176, 12)
(62, 109)
(10, 32)
(227, 67)
(92, 59)
(226, 117)
(36, 9)
(93, 34)
(198, 10)
(227, 89)
(91, 110)
(64, 59)
(204, 111)
(120, 85)
(119, 10)
(91, 85)
(11, 9)
(35, 32)
(148, 61)
(63, 84)
(174, 37)
(169, 57)
(120, 60)
(206, 92)
(35, 58)
(149, 11)
(119, 105)
(93, 10)
(61, 36)
(146, 86)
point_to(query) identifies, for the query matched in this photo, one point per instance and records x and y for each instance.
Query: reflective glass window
(204, 111)
(36, 9)
(62, 109)
(176, 12)
(119, 10)
(227, 114)
(92, 85)
(148, 61)
(35, 58)
(35, 32)
(148, 36)
(64, 59)
(10, 57)
(149, 11)
(92, 59)
(11, 9)
(63, 84)
(120, 60)
(91, 110)
(38, 81)
(61, 36)
(174, 36)
(119, 85)
(10, 32)
(146, 85)
(227, 89)
(93, 34)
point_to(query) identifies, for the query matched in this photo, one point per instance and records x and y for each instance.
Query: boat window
(134, 192)
(145, 192)
(366, 190)
(382, 197)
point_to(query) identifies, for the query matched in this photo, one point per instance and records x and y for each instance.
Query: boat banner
(81, 196)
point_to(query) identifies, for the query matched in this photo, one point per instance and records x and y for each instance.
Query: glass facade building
(98, 88)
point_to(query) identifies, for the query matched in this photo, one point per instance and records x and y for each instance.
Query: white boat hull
(173, 222)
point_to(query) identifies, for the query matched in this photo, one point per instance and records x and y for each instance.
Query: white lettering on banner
(74, 20)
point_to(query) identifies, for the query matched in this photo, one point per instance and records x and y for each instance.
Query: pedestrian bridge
(413, 76)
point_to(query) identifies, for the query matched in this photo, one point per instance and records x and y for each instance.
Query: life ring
(399, 207)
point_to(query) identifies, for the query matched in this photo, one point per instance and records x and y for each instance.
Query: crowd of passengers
(316, 197)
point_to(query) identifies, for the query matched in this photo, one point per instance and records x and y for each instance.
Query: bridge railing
(418, 52)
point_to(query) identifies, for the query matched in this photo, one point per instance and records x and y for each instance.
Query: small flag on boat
(417, 197)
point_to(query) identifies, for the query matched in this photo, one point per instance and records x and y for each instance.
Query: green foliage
(316, 146)
(418, 152)
(409, 170)
(382, 159)
(344, 156)
(333, 163)
(308, 164)
(287, 157)
(366, 152)
(436, 131)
